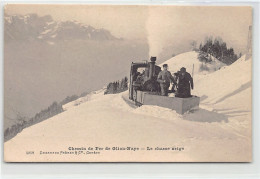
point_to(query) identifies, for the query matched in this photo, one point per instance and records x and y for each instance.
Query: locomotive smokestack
(153, 59)
(152, 67)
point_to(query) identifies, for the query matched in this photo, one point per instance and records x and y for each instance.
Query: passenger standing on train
(165, 78)
(184, 84)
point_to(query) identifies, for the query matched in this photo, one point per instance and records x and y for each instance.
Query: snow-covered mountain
(32, 26)
(220, 130)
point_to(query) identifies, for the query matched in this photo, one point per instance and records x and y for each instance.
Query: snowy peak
(32, 26)
(74, 30)
(24, 27)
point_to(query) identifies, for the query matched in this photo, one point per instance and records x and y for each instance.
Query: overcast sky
(161, 25)
(182, 24)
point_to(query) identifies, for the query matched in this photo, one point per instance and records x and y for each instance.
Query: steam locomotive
(145, 81)
(144, 89)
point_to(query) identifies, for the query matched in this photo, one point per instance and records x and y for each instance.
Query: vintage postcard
(127, 83)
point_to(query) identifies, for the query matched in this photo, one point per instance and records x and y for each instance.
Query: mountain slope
(219, 131)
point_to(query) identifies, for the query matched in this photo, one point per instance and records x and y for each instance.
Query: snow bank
(189, 59)
(159, 112)
(94, 95)
(228, 81)
(228, 92)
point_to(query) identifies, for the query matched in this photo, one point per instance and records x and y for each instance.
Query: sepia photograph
(127, 83)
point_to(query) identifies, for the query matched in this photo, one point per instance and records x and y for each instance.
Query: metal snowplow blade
(180, 105)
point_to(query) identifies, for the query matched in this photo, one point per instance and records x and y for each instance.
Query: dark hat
(165, 65)
(183, 69)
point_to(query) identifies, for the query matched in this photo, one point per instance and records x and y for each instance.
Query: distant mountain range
(44, 28)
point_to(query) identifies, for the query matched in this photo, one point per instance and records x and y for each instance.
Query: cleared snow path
(110, 121)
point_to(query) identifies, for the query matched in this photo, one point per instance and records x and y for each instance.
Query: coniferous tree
(117, 86)
(217, 49)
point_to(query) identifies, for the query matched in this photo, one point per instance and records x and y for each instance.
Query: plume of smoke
(175, 27)
(159, 27)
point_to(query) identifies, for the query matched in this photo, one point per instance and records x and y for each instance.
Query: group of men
(181, 80)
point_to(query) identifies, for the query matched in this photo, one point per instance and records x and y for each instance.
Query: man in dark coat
(165, 78)
(184, 84)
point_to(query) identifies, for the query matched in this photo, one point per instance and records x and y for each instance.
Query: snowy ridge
(36, 27)
(226, 80)
(189, 59)
(94, 95)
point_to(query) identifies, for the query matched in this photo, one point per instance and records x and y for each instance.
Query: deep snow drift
(189, 59)
(219, 131)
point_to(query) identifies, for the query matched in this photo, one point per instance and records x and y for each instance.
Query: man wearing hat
(184, 84)
(165, 78)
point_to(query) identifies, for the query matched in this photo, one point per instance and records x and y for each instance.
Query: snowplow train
(144, 89)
